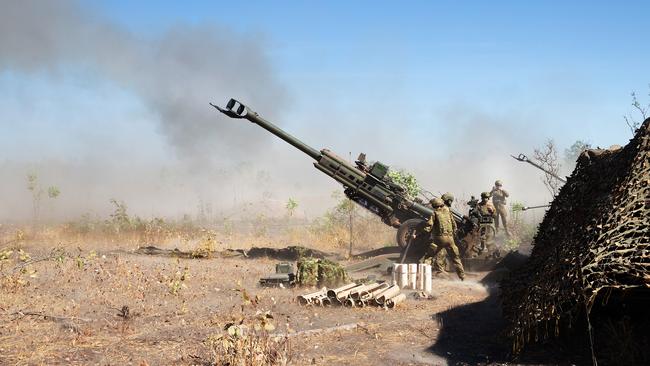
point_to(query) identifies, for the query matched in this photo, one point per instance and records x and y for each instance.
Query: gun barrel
(525, 208)
(235, 109)
(524, 158)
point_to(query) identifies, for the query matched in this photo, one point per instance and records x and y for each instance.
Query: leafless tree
(642, 110)
(547, 157)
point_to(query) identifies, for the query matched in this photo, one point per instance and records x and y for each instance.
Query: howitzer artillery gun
(367, 185)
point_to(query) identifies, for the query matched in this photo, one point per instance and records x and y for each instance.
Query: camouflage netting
(320, 272)
(594, 239)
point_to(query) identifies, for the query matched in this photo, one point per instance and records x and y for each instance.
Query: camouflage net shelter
(592, 250)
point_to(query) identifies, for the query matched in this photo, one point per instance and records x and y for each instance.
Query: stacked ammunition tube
(354, 295)
(416, 276)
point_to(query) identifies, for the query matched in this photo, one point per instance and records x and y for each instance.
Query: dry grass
(68, 306)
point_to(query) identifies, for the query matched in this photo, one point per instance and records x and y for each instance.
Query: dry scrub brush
(246, 339)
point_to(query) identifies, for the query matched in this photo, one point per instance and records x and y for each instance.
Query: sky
(108, 99)
(563, 60)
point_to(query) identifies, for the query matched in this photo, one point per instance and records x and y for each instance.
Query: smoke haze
(174, 75)
(180, 153)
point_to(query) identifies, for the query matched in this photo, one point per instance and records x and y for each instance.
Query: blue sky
(571, 63)
(435, 87)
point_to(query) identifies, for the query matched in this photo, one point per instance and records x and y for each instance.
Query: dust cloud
(174, 75)
(207, 162)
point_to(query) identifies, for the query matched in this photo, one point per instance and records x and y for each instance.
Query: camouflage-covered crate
(330, 273)
(321, 272)
(307, 272)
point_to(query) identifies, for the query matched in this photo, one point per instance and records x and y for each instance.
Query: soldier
(485, 207)
(441, 225)
(439, 263)
(448, 199)
(499, 196)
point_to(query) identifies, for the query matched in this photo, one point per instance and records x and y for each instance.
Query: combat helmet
(437, 202)
(448, 198)
(498, 183)
(485, 195)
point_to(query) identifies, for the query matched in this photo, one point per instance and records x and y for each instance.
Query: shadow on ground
(473, 334)
(470, 334)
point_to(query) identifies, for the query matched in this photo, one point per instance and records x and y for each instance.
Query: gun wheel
(406, 231)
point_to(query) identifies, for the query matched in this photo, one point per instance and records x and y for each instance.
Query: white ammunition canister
(413, 275)
(427, 279)
(403, 276)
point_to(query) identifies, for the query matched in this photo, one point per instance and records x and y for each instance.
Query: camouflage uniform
(439, 263)
(499, 196)
(485, 207)
(442, 227)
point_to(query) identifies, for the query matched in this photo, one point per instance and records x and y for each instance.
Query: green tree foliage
(572, 152)
(37, 194)
(517, 206)
(34, 186)
(406, 180)
(120, 218)
(291, 206)
(53, 192)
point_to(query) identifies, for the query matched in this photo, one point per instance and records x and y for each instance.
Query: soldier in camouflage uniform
(499, 196)
(441, 226)
(485, 207)
(439, 264)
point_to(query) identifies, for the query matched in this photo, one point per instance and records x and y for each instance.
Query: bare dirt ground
(68, 310)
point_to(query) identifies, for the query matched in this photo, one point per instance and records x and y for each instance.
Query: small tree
(345, 211)
(548, 159)
(516, 208)
(291, 206)
(642, 110)
(34, 186)
(53, 192)
(572, 152)
(37, 194)
(120, 217)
